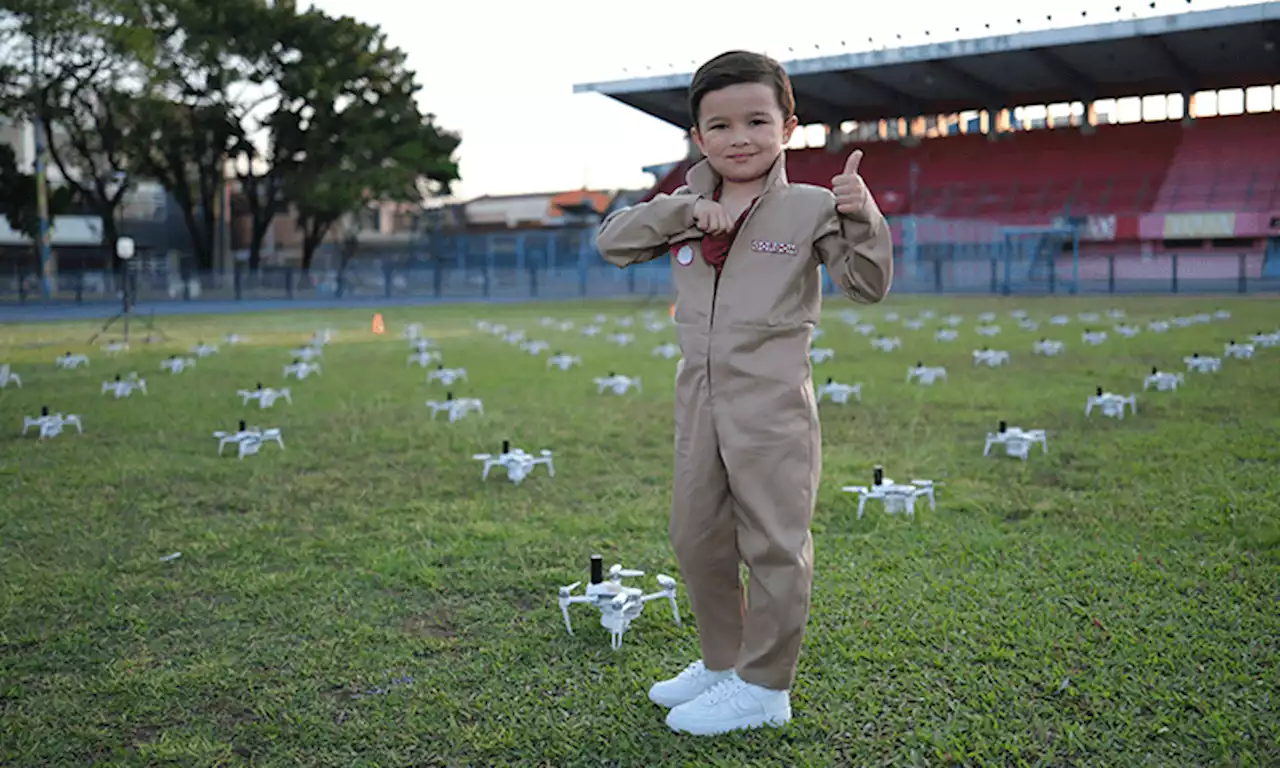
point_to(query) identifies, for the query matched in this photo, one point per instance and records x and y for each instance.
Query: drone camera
(259, 385)
(1004, 427)
(1099, 391)
(506, 447)
(448, 396)
(611, 374)
(597, 569)
(877, 475)
(117, 377)
(1155, 369)
(44, 409)
(1195, 354)
(830, 379)
(440, 367)
(295, 361)
(242, 425)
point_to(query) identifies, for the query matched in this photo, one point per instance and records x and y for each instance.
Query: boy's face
(741, 130)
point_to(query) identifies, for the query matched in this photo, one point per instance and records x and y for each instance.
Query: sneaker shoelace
(724, 689)
(695, 670)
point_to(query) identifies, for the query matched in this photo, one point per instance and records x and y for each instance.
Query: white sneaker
(731, 705)
(687, 686)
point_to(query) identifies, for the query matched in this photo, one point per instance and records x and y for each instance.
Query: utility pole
(42, 192)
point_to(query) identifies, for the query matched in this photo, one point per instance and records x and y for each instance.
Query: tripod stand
(126, 312)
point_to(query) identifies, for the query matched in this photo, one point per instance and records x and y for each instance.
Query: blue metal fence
(932, 256)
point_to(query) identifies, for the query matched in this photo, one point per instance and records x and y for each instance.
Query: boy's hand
(849, 188)
(710, 217)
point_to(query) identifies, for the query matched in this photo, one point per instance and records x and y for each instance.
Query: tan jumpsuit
(748, 449)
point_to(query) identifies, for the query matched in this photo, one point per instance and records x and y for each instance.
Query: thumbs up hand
(849, 188)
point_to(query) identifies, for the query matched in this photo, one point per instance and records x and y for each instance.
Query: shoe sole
(672, 703)
(742, 724)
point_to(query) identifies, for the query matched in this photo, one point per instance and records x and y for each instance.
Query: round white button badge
(684, 256)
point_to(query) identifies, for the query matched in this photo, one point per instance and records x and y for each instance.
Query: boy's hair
(734, 67)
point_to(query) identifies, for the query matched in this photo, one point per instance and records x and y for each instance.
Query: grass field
(362, 598)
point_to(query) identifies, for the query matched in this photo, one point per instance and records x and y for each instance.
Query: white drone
(1221, 314)
(816, 333)
(518, 463)
(248, 440)
(625, 322)
(656, 326)
(667, 350)
(421, 344)
(913, 325)
(1163, 381)
(821, 354)
(1017, 314)
(1266, 340)
(323, 336)
(1088, 317)
(892, 317)
(1047, 348)
(618, 384)
(987, 330)
(1017, 442)
(70, 361)
(266, 397)
(1059, 320)
(204, 350)
(591, 330)
(987, 317)
(1232, 349)
(563, 362)
(1115, 314)
(946, 334)
(1157, 326)
(1112, 405)
(513, 338)
(424, 358)
(865, 329)
(1128, 331)
(839, 392)
(50, 425)
(1203, 364)
(897, 497)
(177, 364)
(8, 377)
(124, 387)
(447, 376)
(1027, 324)
(886, 344)
(1093, 337)
(233, 339)
(115, 347)
(306, 354)
(990, 357)
(926, 375)
(301, 369)
(622, 339)
(849, 317)
(457, 408)
(954, 320)
(412, 331)
(619, 605)
(535, 347)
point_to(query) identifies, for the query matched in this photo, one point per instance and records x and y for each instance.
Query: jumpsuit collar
(703, 180)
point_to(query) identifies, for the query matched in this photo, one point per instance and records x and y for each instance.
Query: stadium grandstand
(1077, 158)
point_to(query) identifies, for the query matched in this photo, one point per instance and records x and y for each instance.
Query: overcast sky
(501, 72)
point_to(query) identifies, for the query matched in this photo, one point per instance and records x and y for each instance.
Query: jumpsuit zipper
(715, 287)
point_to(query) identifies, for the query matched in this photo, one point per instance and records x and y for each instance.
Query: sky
(501, 72)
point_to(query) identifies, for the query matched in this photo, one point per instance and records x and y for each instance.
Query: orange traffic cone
(673, 311)
(378, 327)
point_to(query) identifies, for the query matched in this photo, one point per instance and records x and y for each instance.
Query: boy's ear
(789, 127)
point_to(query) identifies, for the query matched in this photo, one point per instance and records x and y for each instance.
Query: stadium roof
(1182, 53)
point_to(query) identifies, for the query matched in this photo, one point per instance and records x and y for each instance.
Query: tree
(18, 197)
(207, 75)
(355, 131)
(63, 62)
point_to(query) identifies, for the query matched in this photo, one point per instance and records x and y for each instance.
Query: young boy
(745, 247)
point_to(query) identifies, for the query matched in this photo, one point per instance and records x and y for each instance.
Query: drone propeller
(617, 571)
(564, 591)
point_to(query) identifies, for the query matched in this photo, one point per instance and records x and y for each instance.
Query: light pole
(42, 193)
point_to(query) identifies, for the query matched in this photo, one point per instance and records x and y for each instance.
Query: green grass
(1112, 603)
